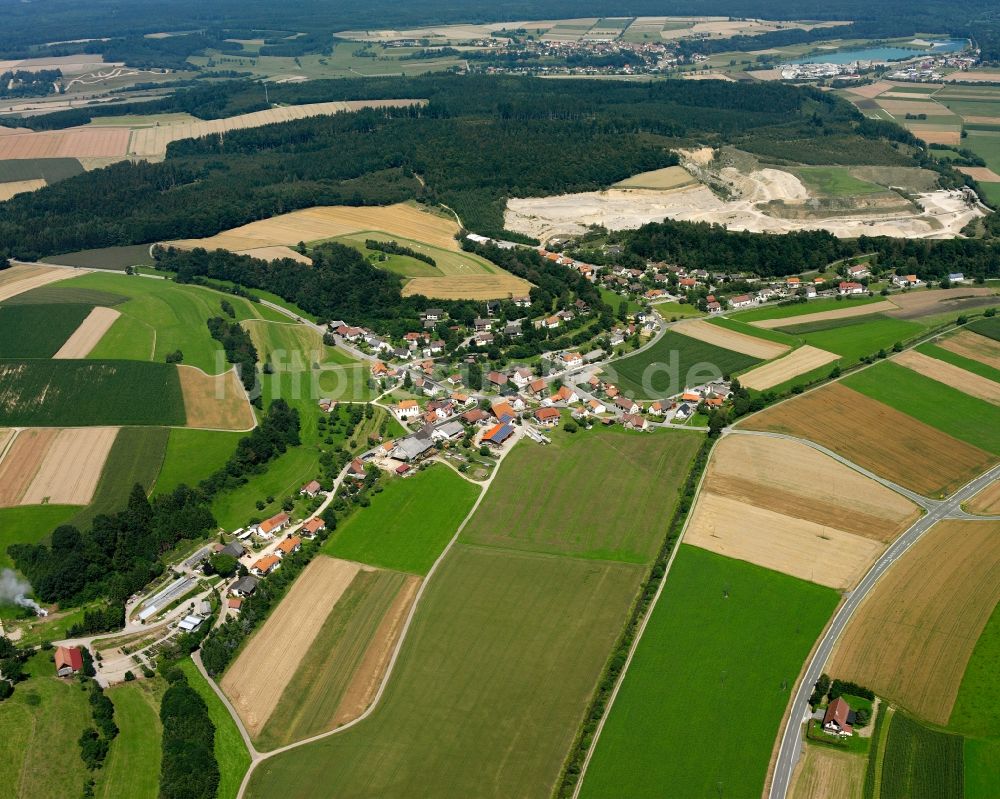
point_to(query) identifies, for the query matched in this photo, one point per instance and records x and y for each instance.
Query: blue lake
(881, 53)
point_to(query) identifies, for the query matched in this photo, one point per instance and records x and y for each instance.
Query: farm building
(475, 416)
(69, 660)
(837, 718)
(234, 549)
(503, 412)
(190, 623)
(498, 434)
(448, 432)
(497, 379)
(313, 526)
(411, 448)
(265, 565)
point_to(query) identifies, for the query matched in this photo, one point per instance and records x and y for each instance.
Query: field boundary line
(595, 739)
(390, 668)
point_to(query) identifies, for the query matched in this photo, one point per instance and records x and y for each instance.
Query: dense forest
(478, 141)
(31, 24)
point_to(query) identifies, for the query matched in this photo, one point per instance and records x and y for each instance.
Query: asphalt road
(791, 739)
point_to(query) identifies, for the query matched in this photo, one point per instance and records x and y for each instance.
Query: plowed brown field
(802, 360)
(972, 345)
(914, 304)
(912, 637)
(72, 467)
(255, 682)
(987, 501)
(21, 461)
(731, 339)
(949, 374)
(877, 437)
(215, 402)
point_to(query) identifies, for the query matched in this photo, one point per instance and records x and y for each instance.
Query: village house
(522, 302)
(69, 660)
(327, 405)
(521, 377)
(741, 301)
(571, 360)
(537, 388)
(956, 277)
(312, 527)
(659, 408)
(859, 271)
(810, 292)
(482, 325)
(406, 409)
(626, 405)
(432, 315)
(356, 469)
(596, 406)
(513, 329)
(503, 411)
(475, 416)
(268, 527)
(564, 394)
(837, 718)
(713, 307)
(245, 586)
(483, 339)
(634, 421)
(846, 287)
(289, 546)
(442, 409)
(547, 416)
(265, 565)
(496, 379)
(906, 281)
(311, 489)
(793, 282)
(233, 549)
(461, 398)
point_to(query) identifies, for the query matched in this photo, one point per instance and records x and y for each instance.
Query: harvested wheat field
(23, 453)
(933, 136)
(912, 637)
(973, 346)
(84, 142)
(24, 277)
(468, 287)
(151, 142)
(215, 402)
(730, 339)
(914, 304)
(15, 187)
(326, 222)
(255, 681)
(88, 334)
(872, 89)
(801, 548)
(792, 478)
(877, 437)
(981, 173)
(800, 361)
(821, 316)
(72, 466)
(987, 501)
(955, 376)
(277, 253)
(825, 773)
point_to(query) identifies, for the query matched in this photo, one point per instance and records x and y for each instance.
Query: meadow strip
(974, 346)
(951, 375)
(838, 313)
(88, 334)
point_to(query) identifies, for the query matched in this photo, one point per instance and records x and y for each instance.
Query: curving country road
(791, 738)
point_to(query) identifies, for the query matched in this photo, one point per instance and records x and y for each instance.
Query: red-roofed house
(837, 717)
(269, 527)
(537, 387)
(564, 394)
(313, 526)
(69, 660)
(357, 469)
(547, 416)
(265, 565)
(288, 546)
(849, 287)
(310, 489)
(634, 421)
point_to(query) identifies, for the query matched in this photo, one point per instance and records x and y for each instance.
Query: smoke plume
(15, 590)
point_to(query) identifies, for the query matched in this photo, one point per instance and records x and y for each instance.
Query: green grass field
(802, 308)
(975, 709)
(311, 699)
(37, 393)
(39, 754)
(29, 524)
(970, 365)
(192, 455)
(293, 347)
(113, 258)
(673, 362)
(135, 457)
(989, 327)
(670, 310)
(38, 331)
(59, 294)
(856, 341)
(177, 313)
(835, 181)
(570, 496)
(948, 409)
(51, 169)
(128, 338)
(982, 764)
(490, 688)
(448, 262)
(409, 524)
(777, 336)
(702, 701)
(230, 751)
(921, 763)
(132, 768)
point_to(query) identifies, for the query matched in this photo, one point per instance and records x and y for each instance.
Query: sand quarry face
(942, 214)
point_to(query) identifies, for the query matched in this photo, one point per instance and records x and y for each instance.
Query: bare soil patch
(88, 334)
(255, 682)
(872, 89)
(24, 277)
(912, 637)
(915, 304)
(22, 458)
(215, 402)
(801, 548)
(973, 346)
(731, 339)
(15, 187)
(71, 469)
(793, 479)
(987, 501)
(364, 685)
(800, 361)
(951, 375)
(825, 773)
(877, 437)
(820, 316)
